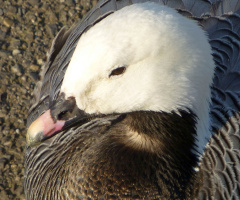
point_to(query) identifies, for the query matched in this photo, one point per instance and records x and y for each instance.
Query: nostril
(62, 115)
(61, 108)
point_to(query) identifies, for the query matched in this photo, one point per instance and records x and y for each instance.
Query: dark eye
(118, 71)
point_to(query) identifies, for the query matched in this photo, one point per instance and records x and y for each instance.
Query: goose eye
(117, 71)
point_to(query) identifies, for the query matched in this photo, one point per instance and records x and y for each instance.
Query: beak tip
(34, 138)
(35, 132)
(43, 128)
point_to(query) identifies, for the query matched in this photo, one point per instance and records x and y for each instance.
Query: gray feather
(221, 162)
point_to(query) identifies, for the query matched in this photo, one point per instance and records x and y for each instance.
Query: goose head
(144, 57)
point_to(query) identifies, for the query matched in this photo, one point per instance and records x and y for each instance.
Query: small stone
(7, 22)
(40, 61)
(15, 43)
(23, 78)
(19, 190)
(4, 194)
(34, 68)
(8, 143)
(94, 2)
(13, 166)
(1, 12)
(26, 63)
(8, 157)
(12, 9)
(4, 53)
(5, 29)
(19, 12)
(34, 76)
(17, 179)
(24, 45)
(2, 35)
(63, 16)
(24, 10)
(16, 52)
(71, 13)
(34, 2)
(83, 12)
(69, 2)
(52, 29)
(33, 19)
(2, 115)
(51, 17)
(3, 98)
(17, 69)
(23, 90)
(29, 36)
(2, 150)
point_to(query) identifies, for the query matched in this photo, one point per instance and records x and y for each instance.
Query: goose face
(144, 57)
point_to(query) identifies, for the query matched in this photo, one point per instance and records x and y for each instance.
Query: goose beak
(42, 128)
(63, 114)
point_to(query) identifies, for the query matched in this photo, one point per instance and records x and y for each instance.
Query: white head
(168, 65)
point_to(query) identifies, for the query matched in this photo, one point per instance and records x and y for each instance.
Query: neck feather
(162, 146)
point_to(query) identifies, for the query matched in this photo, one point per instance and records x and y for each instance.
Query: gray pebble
(1, 12)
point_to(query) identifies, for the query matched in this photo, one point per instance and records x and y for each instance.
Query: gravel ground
(27, 28)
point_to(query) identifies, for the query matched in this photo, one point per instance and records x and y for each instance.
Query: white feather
(168, 60)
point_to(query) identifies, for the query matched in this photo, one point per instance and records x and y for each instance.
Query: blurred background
(27, 28)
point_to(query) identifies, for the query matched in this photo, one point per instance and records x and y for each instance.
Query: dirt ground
(27, 28)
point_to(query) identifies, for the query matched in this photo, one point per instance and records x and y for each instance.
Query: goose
(139, 101)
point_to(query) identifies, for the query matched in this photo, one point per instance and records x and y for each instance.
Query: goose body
(139, 102)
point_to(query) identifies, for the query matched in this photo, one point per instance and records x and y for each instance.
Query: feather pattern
(220, 164)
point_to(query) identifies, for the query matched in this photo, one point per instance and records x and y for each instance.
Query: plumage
(137, 149)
